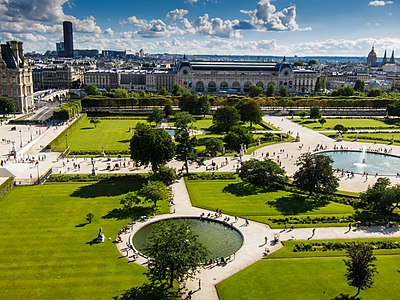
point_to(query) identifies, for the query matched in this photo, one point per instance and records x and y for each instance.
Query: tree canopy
(174, 251)
(225, 118)
(250, 111)
(263, 173)
(381, 197)
(151, 146)
(91, 89)
(7, 106)
(237, 136)
(315, 112)
(155, 191)
(315, 174)
(271, 89)
(156, 116)
(255, 91)
(360, 267)
(283, 91)
(186, 148)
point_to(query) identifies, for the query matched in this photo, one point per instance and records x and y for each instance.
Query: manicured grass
(307, 278)
(234, 199)
(372, 137)
(44, 251)
(112, 134)
(356, 123)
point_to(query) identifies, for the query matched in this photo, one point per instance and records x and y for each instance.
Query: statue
(100, 237)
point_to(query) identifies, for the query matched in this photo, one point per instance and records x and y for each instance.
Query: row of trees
(7, 106)
(67, 111)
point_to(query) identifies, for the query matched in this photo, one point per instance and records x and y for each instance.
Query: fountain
(362, 162)
(221, 239)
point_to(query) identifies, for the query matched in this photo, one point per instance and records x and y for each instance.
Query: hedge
(67, 111)
(6, 187)
(340, 246)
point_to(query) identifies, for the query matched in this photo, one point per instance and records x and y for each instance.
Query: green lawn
(307, 278)
(111, 133)
(371, 137)
(234, 199)
(44, 251)
(356, 123)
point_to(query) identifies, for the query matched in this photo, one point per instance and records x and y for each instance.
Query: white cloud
(380, 3)
(177, 14)
(191, 1)
(109, 32)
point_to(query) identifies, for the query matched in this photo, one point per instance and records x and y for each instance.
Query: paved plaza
(29, 142)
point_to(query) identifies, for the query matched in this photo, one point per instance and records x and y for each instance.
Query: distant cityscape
(70, 68)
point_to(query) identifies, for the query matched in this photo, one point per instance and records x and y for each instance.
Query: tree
(360, 267)
(89, 217)
(225, 118)
(94, 121)
(121, 93)
(186, 149)
(381, 197)
(250, 111)
(302, 114)
(204, 104)
(343, 91)
(283, 91)
(318, 85)
(322, 121)
(178, 90)
(194, 104)
(7, 106)
(168, 111)
(270, 90)
(255, 91)
(374, 93)
(91, 90)
(129, 201)
(151, 146)
(359, 86)
(315, 174)
(315, 112)
(164, 174)
(156, 116)
(312, 62)
(155, 191)
(237, 136)
(174, 252)
(214, 145)
(263, 173)
(340, 128)
(394, 109)
(163, 91)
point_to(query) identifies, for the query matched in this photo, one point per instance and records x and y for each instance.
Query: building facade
(16, 76)
(103, 79)
(54, 77)
(221, 77)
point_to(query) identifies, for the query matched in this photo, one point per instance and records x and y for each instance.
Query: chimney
(14, 49)
(21, 52)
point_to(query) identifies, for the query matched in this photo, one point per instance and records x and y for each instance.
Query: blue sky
(258, 27)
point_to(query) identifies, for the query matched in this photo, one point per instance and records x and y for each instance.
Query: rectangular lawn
(356, 123)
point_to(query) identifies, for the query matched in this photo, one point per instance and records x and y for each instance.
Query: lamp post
(30, 132)
(20, 138)
(38, 174)
(66, 141)
(93, 169)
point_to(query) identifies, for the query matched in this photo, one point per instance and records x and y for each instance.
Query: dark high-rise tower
(68, 39)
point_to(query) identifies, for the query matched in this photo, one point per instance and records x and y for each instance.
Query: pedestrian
(349, 226)
(199, 284)
(313, 231)
(292, 226)
(266, 239)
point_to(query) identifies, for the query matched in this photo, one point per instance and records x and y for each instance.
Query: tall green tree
(174, 252)
(186, 145)
(359, 86)
(237, 136)
(360, 267)
(91, 90)
(271, 89)
(250, 111)
(381, 197)
(225, 118)
(156, 116)
(168, 111)
(214, 145)
(151, 146)
(155, 191)
(121, 93)
(94, 121)
(178, 90)
(315, 112)
(164, 174)
(7, 106)
(322, 121)
(315, 174)
(283, 91)
(163, 91)
(262, 173)
(374, 93)
(255, 91)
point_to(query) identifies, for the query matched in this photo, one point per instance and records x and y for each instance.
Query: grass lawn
(307, 278)
(356, 123)
(234, 199)
(370, 137)
(111, 133)
(44, 251)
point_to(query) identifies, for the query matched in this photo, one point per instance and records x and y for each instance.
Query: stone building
(16, 76)
(103, 79)
(54, 76)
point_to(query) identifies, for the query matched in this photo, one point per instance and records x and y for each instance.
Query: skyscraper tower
(68, 39)
(392, 61)
(384, 60)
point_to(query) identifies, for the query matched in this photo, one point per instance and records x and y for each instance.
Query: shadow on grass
(345, 297)
(134, 213)
(124, 141)
(109, 187)
(242, 189)
(149, 291)
(296, 204)
(87, 128)
(82, 225)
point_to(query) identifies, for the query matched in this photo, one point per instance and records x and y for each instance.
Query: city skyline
(252, 27)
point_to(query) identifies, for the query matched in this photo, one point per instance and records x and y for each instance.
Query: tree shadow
(149, 291)
(87, 128)
(109, 187)
(345, 297)
(296, 203)
(244, 189)
(124, 141)
(82, 225)
(133, 213)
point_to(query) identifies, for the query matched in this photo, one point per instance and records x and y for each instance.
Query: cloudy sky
(255, 27)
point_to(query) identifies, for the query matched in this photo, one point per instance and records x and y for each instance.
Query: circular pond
(363, 161)
(220, 239)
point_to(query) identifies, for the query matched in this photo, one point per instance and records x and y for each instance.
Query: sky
(225, 27)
